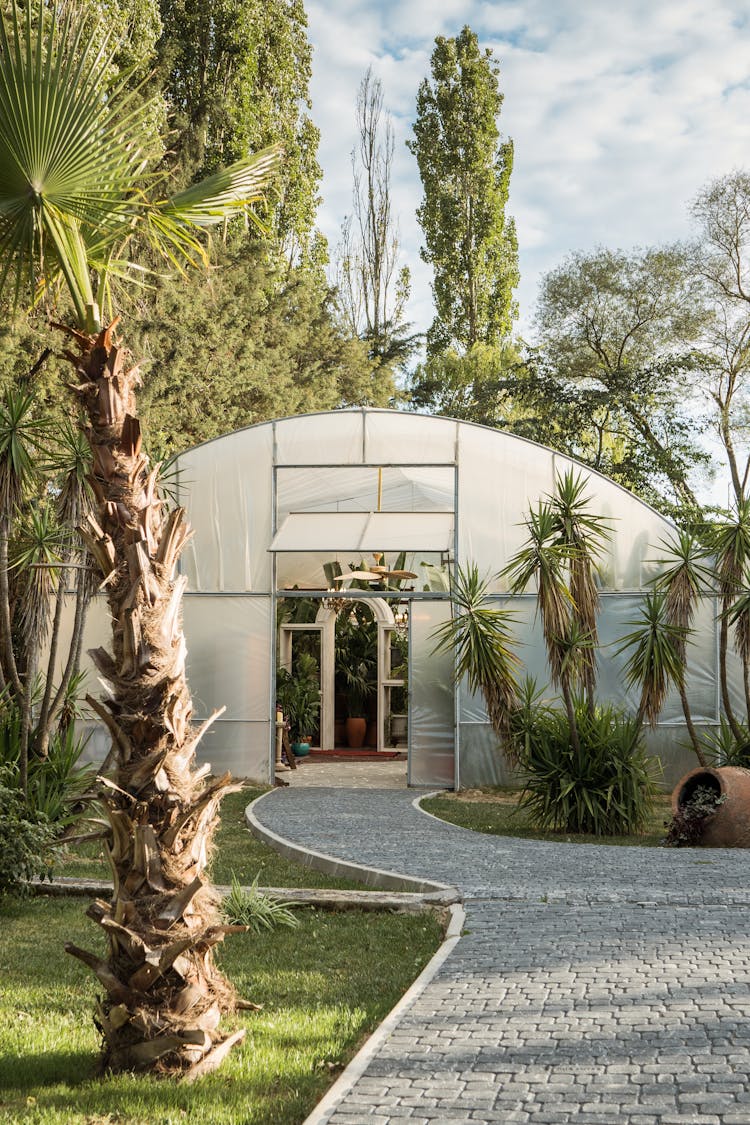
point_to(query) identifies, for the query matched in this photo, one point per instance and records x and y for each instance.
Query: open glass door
(393, 690)
(304, 654)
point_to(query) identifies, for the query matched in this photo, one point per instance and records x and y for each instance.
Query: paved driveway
(593, 984)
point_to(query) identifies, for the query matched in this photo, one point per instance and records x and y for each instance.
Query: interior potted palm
(356, 669)
(298, 696)
(359, 688)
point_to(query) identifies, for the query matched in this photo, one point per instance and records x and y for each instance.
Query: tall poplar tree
(237, 75)
(465, 169)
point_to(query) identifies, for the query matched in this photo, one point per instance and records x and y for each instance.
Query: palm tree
(730, 543)
(582, 537)
(657, 662)
(543, 560)
(480, 637)
(75, 195)
(683, 580)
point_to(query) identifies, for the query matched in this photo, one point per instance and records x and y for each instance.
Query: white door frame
(326, 620)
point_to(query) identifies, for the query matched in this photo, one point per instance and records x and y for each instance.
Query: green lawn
(236, 850)
(323, 987)
(496, 812)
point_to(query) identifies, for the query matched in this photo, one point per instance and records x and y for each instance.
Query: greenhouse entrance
(342, 676)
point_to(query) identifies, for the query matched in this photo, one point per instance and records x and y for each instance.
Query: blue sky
(619, 113)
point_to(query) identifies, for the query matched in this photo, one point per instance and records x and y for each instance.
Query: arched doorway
(389, 654)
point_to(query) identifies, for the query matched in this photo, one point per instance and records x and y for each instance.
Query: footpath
(590, 984)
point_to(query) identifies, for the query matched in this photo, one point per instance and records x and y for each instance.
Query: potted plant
(356, 669)
(298, 696)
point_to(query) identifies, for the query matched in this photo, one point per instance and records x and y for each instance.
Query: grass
(496, 812)
(323, 987)
(236, 852)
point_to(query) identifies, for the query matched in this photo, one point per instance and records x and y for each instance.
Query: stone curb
(330, 865)
(319, 898)
(356, 1068)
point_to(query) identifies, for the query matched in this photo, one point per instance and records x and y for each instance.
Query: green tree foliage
(476, 387)
(616, 358)
(245, 347)
(465, 171)
(236, 76)
(722, 261)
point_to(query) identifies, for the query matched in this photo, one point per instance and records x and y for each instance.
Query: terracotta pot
(729, 826)
(355, 732)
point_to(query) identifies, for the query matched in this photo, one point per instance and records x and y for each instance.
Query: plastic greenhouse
(280, 507)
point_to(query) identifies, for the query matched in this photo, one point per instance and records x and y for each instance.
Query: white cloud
(619, 113)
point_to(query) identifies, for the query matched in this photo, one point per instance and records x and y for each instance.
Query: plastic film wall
(240, 489)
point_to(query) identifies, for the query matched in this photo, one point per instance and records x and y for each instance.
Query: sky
(619, 114)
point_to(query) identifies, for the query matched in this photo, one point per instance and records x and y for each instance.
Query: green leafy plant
(298, 694)
(603, 787)
(57, 784)
(479, 634)
(686, 827)
(251, 907)
(721, 747)
(356, 658)
(26, 840)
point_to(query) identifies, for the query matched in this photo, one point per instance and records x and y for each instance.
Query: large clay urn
(729, 825)
(356, 728)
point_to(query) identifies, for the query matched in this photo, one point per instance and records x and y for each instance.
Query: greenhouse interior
(323, 552)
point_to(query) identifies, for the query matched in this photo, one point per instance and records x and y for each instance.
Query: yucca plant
(480, 636)
(656, 663)
(582, 536)
(542, 560)
(603, 788)
(730, 544)
(684, 578)
(77, 194)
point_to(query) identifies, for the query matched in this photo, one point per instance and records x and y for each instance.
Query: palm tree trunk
(689, 724)
(164, 995)
(571, 713)
(723, 646)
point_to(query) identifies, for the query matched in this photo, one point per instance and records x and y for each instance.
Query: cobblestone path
(593, 985)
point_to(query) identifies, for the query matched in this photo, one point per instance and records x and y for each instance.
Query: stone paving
(347, 774)
(592, 985)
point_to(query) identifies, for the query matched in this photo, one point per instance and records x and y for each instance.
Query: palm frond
(656, 660)
(480, 636)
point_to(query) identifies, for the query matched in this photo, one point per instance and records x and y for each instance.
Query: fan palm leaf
(75, 149)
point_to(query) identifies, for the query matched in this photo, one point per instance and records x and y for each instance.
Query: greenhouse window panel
(365, 531)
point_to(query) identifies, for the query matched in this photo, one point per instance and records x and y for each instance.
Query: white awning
(365, 531)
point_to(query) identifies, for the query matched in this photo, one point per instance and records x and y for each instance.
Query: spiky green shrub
(721, 747)
(26, 841)
(603, 787)
(251, 907)
(57, 783)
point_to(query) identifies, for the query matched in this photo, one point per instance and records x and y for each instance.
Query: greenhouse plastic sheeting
(321, 439)
(365, 531)
(617, 614)
(229, 645)
(431, 699)
(359, 488)
(498, 478)
(226, 487)
(394, 438)
(637, 531)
